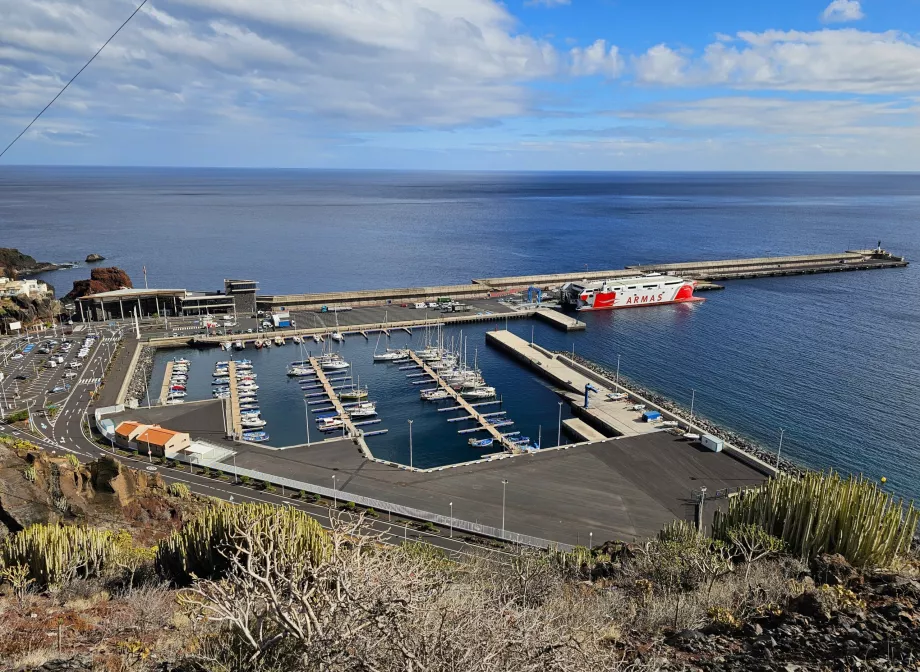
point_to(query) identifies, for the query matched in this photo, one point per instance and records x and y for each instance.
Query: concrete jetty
(560, 320)
(236, 418)
(164, 389)
(582, 430)
(613, 416)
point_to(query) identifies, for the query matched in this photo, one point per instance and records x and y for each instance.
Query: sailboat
(337, 335)
(355, 393)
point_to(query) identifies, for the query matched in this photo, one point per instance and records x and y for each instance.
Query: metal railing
(377, 504)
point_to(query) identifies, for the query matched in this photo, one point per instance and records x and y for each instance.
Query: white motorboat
(330, 424)
(484, 392)
(247, 388)
(435, 395)
(172, 401)
(390, 356)
(337, 336)
(176, 394)
(363, 410)
(179, 360)
(279, 340)
(335, 364)
(299, 371)
(297, 339)
(317, 338)
(239, 345)
(254, 423)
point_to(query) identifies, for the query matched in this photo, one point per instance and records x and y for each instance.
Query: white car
(18, 355)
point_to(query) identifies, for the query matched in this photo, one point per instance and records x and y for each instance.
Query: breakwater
(742, 442)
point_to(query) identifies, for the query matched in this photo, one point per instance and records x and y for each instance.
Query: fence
(379, 505)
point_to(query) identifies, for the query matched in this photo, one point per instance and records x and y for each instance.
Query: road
(68, 432)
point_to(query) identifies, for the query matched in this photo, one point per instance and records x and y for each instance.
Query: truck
(711, 442)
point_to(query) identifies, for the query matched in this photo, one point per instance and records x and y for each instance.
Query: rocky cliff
(14, 264)
(38, 487)
(100, 280)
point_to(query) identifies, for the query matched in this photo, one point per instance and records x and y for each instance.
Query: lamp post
(618, 370)
(306, 413)
(559, 434)
(451, 520)
(504, 484)
(335, 499)
(590, 540)
(780, 449)
(410, 444)
(692, 399)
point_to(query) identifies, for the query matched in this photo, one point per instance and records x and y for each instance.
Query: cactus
(200, 549)
(30, 473)
(54, 554)
(73, 461)
(825, 513)
(180, 490)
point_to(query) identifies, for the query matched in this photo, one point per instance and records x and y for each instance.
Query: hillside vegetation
(259, 587)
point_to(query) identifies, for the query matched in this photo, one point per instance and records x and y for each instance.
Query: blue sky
(467, 84)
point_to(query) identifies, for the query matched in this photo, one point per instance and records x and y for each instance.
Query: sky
(466, 84)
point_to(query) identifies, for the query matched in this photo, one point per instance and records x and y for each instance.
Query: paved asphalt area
(625, 488)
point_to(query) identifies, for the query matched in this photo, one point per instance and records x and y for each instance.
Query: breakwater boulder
(91, 258)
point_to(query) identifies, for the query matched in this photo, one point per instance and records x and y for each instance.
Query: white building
(33, 289)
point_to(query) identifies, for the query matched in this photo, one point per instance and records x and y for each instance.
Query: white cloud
(840, 11)
(661, 65)
(596, 60)
(846, 60)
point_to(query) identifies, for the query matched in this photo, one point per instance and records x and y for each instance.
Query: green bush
(349, 506)
(18, 416)
(201, 548)
(824, 513)
(371, 513)
(73, 461)
(269, 487)
(244, 479)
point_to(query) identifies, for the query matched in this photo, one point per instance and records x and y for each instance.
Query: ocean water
(833, 360)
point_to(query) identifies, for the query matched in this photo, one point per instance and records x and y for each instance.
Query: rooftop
(158, 436)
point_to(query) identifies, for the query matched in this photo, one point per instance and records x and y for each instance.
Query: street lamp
(692, 399)
(618, 369)
(410, 444)
(780, 450)
(559, 434)
(335, 500)
(504, 484)
(306, 413)
(590, 540)
(451, 520)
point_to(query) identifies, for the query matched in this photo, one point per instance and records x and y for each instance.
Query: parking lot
(31, 379)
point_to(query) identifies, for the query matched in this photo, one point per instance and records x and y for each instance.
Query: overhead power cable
(23, 132)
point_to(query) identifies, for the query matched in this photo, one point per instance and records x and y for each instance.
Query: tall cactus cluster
(201, 549)
(54, 554)
(825, 513)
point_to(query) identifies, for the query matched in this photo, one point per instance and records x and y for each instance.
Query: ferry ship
(643, 290)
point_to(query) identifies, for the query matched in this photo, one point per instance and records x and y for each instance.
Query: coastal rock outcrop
(14, 264)
(90, 258)
(100, 280)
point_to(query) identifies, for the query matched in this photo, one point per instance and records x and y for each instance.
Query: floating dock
(461, 402)
(333, 397)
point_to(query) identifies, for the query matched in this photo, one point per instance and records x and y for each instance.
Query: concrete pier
(612, 416)
(164, 390)
(582, 430)
(333, 397)
(559, 320)
(236, 418)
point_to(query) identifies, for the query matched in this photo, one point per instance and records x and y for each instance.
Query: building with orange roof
(160, 442)
(127, 432)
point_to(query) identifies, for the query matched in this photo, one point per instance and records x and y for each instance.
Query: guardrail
(378, 504)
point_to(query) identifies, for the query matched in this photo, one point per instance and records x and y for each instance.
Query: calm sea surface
(833, 359)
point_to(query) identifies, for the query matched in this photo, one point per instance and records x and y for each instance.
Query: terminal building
(239, 297)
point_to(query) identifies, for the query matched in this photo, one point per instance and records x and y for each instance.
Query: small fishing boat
(239, 345)
(317, 338)
(257, 437)
(297, 339)
(337, 336)
(180, 388)
(254, 423)
(481, 443)
(172, 401)
(279, 340)
(176, 395)
(179, 360)
(247, 388)
(220, 381)
(295, 371)
(258, 343)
